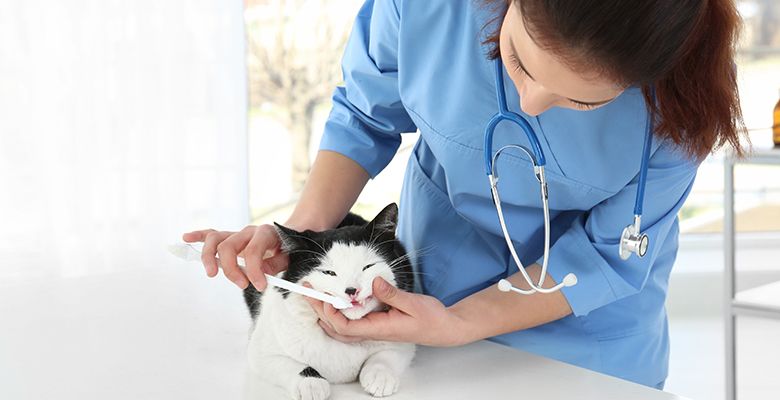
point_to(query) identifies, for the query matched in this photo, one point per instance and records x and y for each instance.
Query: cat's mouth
(361, 303)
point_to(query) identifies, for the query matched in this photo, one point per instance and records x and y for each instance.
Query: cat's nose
(350, 291)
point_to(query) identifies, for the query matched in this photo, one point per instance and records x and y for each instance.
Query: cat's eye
(368, 266)
(328, 272)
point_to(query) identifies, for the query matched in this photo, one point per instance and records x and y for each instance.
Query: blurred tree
(770, 14)
(294, 52)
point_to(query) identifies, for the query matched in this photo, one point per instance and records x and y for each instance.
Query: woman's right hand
(260, 247)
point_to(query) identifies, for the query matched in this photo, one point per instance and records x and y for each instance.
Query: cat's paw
(312, 389)
(379, 380)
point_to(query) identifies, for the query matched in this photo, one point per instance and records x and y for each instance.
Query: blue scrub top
(419, 65)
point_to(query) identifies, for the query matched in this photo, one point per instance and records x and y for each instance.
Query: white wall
(122, 124)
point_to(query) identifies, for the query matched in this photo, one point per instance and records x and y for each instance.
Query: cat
(287, 347)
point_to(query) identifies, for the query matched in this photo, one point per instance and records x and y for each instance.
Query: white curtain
(122, 125)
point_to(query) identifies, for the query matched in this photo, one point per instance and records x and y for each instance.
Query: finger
(393, 296)
(315, 304)
(262, 239)
(209, 252)
(339, 324)
(253, 255)
(196, 236)
(275, 264)
(228, 252)
(332, 333)
(344, 326)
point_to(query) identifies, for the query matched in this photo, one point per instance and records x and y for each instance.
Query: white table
(485, 370)
(162, 330)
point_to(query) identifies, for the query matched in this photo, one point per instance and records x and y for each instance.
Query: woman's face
(542, 80)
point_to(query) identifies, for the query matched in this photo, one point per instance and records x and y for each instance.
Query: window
(758, 196)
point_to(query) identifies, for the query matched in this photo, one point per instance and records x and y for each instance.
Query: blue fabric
(420, 65)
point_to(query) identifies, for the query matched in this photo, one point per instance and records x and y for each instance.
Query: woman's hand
(260, 247)
(413, 318)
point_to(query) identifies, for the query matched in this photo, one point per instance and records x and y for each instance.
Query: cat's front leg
(381, 373)
(300, 381)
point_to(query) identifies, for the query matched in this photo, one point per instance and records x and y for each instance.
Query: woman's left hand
(412, 318)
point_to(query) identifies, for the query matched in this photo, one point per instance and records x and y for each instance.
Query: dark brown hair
(684, 49)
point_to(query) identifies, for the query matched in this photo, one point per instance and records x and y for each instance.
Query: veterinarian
(587, 76)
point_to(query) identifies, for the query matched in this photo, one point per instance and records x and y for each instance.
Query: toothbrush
(188, 252)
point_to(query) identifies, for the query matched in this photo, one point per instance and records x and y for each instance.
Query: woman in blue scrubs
(582, 74)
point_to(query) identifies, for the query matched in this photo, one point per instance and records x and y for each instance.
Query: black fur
(252, 299)
(305, 246)
(310, 372)
(352, 220)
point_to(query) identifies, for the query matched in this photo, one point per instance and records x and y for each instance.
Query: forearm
(491, 312)
(333, 185)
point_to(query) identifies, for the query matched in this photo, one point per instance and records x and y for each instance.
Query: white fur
(286, 337)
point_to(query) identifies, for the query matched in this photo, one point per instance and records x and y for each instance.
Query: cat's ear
(386, 220)
(290, 238)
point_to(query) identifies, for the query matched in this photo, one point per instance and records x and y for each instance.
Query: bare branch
(294, 53)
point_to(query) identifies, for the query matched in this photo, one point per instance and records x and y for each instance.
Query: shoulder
(442, 61)
(436, 16)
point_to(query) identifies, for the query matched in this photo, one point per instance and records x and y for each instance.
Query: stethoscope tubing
(640, 191)
(537, 158)
(493, 179)
(505, 115)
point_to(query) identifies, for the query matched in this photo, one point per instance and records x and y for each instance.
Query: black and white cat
(287, 347)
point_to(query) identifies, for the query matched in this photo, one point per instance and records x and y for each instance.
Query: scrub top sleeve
(589, 248)
(368, 117)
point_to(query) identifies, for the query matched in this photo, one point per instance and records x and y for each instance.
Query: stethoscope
(632, 239)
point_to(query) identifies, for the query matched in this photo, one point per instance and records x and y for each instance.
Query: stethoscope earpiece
(568, 281)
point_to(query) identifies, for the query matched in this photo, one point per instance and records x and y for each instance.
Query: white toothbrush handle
(293, 287)
(194, 254)
(335, 301)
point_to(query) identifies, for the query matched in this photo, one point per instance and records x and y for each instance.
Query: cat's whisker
(399, 263)
(413, 273)
(311, 240)
(408, 256)
(398, 269)
(405, 257)
(371, 238)
(295, 251)
(376, 245)
(421, 251)
(424, 251)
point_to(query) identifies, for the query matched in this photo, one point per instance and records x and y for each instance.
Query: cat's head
(344, 261)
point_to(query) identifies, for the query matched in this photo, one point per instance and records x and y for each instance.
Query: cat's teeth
(360, 303)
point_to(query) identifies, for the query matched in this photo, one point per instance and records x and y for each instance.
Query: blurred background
(124, 124)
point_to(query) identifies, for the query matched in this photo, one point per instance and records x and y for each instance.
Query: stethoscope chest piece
(632, 241)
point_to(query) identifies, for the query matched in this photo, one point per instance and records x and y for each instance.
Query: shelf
(763, 300)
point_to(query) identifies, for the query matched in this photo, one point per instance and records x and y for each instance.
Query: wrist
(461, 329)
(301, 223)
